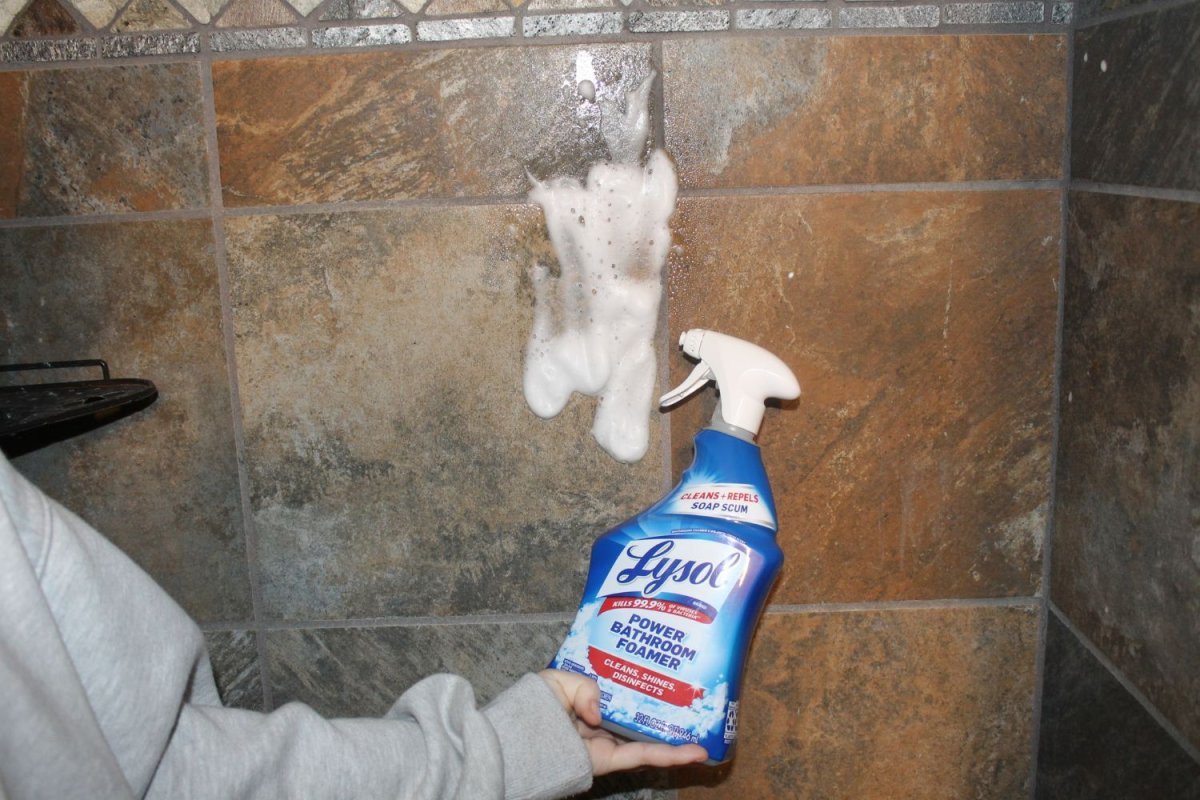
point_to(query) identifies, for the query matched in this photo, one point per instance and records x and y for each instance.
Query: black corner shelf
(36, 414)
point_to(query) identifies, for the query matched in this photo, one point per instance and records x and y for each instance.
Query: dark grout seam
(904, 605)
(1147, 192)
(414, 622)
(1039, 675)
(567, 616)
(350, 206)
(174, 215)
(343, 206)
(868, 188)
(668, 349)
(249, 532)
(1127, 685)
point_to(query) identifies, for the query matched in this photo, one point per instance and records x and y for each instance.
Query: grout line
(1140, 9)
(95, 63)
(866, 188)
(567, 616)
(1126, 190)
(350, 206)
(1039, 677)
(226, 626)
(667, 352)
(522, 199)
(905, 605)
(413, 622)
(173, 215)
(249, 533)
(343, 206)
(1128, 685)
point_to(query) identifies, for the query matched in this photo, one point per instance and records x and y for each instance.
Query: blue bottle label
(672, 598)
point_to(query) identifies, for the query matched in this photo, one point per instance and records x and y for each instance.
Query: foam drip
(594, 322)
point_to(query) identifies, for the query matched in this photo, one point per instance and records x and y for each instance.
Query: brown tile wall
(883, 211)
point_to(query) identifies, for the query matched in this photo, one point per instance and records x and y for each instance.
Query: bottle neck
(718, 423)
(725, 462)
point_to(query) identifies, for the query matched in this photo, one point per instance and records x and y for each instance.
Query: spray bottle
(673, 594)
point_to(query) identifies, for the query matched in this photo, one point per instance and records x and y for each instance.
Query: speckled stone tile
(163, 483)
(351, 672)
(234, 656)
(863, 109)
(394, 466)
(921, 326)
(1096, 740)
(361, 9)
(106, 139)
(1136, 100)
(150, 44)
(376, 126)
(1126, 566)
(233, 41)
(932, 704)
(44, 18)
(68, 49)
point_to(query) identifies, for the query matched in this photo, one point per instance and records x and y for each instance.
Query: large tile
(395, 468)
(163, 483)
(43, 18)
(1136, 99)
(884, 705)
(361, 671)
(1088, 9)
(768, 111)
(412, 124)
(353, 672)
(101, 140)
(921, 326)
(1096, 741)
(234, 657)
(1126, 565)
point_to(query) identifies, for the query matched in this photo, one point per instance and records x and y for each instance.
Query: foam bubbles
(594, 323)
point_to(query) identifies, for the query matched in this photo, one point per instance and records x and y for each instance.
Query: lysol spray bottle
(673, 595)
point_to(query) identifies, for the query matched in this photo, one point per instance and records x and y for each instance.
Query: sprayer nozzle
(746, 375)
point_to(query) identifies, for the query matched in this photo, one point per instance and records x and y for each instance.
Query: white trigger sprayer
(746, 376)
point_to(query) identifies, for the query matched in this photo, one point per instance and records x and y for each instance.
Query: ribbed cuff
(544, 756)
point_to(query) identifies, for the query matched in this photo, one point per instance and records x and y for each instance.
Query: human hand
(580, 697)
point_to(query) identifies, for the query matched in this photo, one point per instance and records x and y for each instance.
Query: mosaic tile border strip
(45, 30)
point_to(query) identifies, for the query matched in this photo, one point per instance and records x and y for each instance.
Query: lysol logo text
(699, 568)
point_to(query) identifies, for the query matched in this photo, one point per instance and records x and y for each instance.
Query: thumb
(578, 694)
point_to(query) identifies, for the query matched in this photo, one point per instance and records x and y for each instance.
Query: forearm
(434, 744)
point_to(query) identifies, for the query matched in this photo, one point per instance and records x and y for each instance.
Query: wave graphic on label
(740, 502)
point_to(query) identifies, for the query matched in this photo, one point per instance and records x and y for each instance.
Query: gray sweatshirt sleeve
(107, 692)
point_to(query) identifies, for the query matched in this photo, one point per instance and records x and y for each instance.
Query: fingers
(580, 696)
(609, 755)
